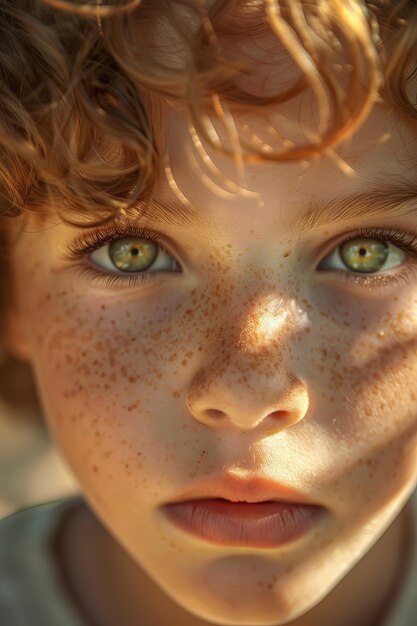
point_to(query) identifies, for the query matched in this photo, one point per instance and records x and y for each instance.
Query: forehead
(378, 162)
(370, 177)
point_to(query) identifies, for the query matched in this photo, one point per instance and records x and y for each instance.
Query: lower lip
(243, 524)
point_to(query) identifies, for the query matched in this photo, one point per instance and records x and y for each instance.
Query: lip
(243, 524)
(254, 512)
(252, 489)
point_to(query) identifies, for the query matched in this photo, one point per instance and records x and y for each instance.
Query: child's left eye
(370, 253)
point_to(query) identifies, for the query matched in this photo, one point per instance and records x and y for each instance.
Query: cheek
(363, 397)
(110, 376)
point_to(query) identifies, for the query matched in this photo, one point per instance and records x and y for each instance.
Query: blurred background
(31, 469)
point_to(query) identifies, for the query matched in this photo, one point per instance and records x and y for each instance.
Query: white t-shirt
(33, 591)
(32, 585)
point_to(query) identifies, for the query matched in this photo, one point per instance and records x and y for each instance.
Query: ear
(14, 336)
(14, 324)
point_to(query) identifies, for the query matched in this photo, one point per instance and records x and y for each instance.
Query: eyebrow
(388, 200)
(166, 212)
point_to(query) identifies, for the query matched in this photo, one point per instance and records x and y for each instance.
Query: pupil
(362, 251)
(135, 251)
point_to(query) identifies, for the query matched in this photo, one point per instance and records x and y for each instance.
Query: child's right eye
(125, 253)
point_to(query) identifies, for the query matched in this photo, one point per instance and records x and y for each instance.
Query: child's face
(150, 389)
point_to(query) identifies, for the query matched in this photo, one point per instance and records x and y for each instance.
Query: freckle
(95, 469)
(286, 254)
(189, 312)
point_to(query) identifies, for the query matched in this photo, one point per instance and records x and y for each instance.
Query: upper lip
(238, 489)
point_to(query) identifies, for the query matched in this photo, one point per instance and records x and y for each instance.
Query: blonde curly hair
(82, 82)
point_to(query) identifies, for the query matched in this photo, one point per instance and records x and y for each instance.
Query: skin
(132, 379)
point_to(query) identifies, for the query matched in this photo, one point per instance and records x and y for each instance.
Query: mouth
(230, 511)
(268, 524)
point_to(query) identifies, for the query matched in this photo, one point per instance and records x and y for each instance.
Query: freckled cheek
(109, 384)
(362, 380)
(365, 401)
(367, 478)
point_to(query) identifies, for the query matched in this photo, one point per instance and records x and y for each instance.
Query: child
(210, 264)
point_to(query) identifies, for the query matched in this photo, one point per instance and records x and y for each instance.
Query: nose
(240, 408)
(248, 384)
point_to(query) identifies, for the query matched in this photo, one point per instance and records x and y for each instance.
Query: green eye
(133, 255)
(364, 255)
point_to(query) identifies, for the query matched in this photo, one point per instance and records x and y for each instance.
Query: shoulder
(29, 577)
(33, 524)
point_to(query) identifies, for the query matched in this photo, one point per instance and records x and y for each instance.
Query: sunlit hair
(82, 84)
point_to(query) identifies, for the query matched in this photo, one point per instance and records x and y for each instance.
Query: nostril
(215, 414)
(279, 414)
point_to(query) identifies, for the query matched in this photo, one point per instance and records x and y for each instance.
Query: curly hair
(82, 83)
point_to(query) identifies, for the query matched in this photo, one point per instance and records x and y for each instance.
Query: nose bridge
(250, 320)
(268, 322)
(253, 336)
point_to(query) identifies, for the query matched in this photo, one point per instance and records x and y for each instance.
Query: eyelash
(91, 241)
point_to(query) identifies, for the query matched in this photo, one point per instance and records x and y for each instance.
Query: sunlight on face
(270, 319)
